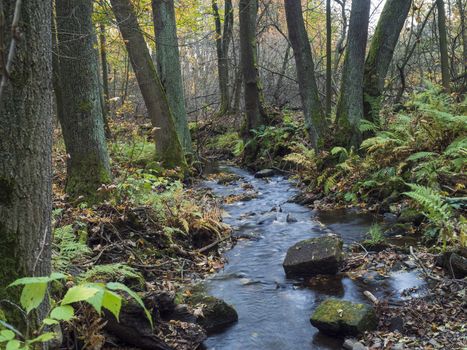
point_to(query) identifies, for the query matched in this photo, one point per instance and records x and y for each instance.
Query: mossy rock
(215, 315)
(341, 317)
(316, 256)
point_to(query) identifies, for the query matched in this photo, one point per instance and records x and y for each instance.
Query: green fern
(67, 249)
(110, 272)
(433, 205)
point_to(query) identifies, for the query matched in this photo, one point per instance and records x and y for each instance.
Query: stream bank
(274, 310)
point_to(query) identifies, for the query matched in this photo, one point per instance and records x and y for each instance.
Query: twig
(209, 246)
(425, 270)
(38, 257)
(371, 297)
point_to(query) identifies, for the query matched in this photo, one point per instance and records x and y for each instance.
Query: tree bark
(223, 38)
(255, 116)
(312, 109)
(461, 6)
(350, 105)
(328, 59)
(82, 122)
(168, 147)
(168, 66)
(443, 45)
(380, 54)
(105, 78)
(26, 111)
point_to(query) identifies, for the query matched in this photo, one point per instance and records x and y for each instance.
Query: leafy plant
(99, 295)
(375, 234)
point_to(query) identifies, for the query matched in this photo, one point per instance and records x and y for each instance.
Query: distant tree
(380, 54)
(223, 38)
(168, 147)
(168, 66)
(82, 121)
(328, 59)
(105, 77)
(26, 112)
(443, 45)
(350, 104)
(312, 109)
(255, 115)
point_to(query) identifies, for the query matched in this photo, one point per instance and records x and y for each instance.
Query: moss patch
(6, 191)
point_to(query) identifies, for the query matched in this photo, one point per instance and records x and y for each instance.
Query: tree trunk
(105, 78)
(312, 110)
(380, 54)
(223, 38)
(26, 112)
(350, 105)
(461, 5)
(168, 147)
(443, 45)
(82, 122)
(328, 59)
(168, 66)
(255, 116)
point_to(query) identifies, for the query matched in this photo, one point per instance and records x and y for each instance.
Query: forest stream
(273, 310)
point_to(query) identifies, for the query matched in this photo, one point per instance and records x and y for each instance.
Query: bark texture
(82, 121)
(26, 111)
(312, 109)
(443, 45)
(168, 66)
(105, 77)
(168, 147)
(223, 38)
(255, 116)
(350, 105)
(328, 59)
(380, 54)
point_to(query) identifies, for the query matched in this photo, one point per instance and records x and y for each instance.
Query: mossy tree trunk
(255, 115)
(26, 111)
(315, 122)
(223, 38)
(168, 66)
(82, 119)
(380, 54)
(168, 147)
(350, 104)
(443, 45)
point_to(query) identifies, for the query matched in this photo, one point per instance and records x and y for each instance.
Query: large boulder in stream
(341, 317)
(315, 256)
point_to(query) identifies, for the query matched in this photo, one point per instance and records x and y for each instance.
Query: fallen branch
(371, 297)
(425, 270)
(209, 246)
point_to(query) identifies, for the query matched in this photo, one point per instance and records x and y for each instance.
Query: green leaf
(136, 297)
(13, 345)
(96, 299)
(63, 313)
(49, 321)
(79, 293)
(6, 335)
(112, 302)
(33, 295)
(45, 337)
(34, 280)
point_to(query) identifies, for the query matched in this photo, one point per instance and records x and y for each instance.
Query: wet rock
(396, 323)
(410, 264)
(341, 317)
(455, 263)
(267, 218)
(213, 314)
(375, 246)
(410, 215)
(216, 314)
(372, 277)
(390, 217)
(290, 219)
(265, 173)
(398, 346)
(321, 255)
(353, 344)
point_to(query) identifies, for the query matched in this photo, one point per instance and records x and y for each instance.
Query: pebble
(398, 346)
(410, 264)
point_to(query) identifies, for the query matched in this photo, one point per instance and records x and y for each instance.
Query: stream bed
(274, 310)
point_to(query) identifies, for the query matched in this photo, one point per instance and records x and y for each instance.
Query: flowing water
(274, 310)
